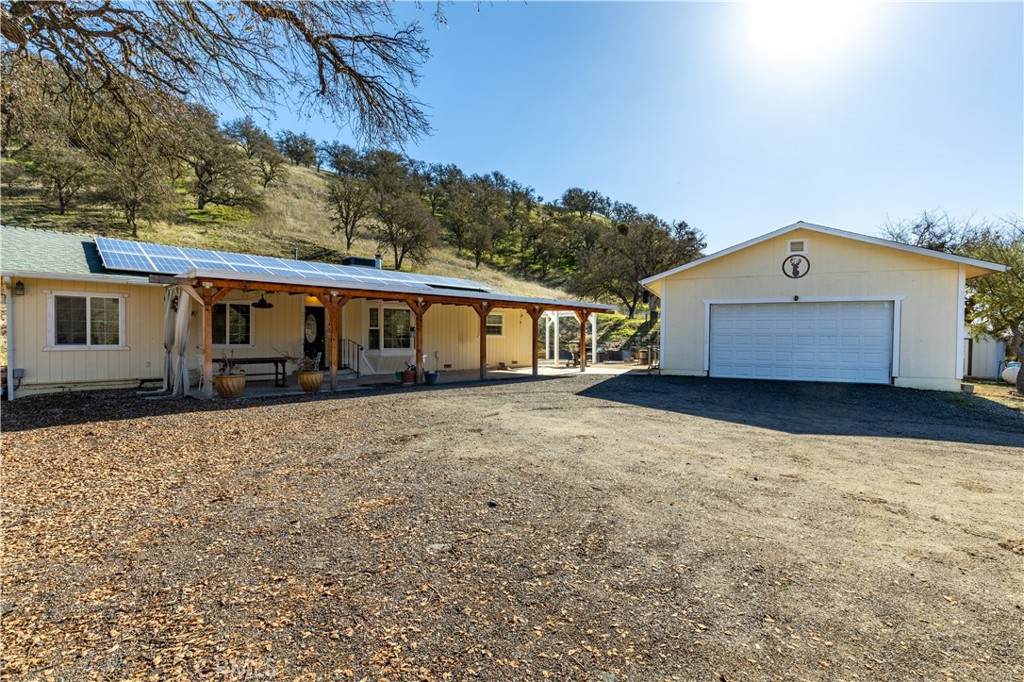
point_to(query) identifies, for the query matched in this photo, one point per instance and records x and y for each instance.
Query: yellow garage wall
(51, 370)
(931, 316)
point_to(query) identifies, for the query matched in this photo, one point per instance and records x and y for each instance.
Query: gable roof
(30, 252)
(984, 266)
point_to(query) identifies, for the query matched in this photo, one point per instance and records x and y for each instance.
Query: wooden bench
(280, 366)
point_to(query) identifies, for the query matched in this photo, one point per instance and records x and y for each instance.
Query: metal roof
(393, 289)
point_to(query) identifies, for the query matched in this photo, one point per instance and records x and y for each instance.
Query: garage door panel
(842, 341)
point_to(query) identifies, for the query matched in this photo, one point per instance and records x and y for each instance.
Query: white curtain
(179, 370)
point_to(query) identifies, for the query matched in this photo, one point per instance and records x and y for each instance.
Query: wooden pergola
(208, 288)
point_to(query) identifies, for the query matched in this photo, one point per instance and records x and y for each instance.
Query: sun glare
(802, 29)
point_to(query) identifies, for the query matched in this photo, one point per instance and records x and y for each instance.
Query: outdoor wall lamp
(19, 288)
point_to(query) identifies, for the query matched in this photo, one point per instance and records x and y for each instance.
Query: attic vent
(796, 246)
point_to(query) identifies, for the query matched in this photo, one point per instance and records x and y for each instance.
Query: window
(389, 328)
(397, 326)
(85, 320)
(232, 324)
(374, 327)
(796, 246)
(495, 324)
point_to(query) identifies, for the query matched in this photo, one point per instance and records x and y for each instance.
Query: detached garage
(813, 303)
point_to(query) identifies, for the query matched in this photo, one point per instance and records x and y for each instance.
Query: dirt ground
(582, 528)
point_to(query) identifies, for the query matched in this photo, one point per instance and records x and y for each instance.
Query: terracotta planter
(408, 377)
(229, 385)
(311, 380)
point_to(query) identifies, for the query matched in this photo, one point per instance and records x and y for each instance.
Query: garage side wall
(930, 319)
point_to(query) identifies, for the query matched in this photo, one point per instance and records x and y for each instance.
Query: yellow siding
(931, 314)
(451, 337)
(273, 332)
(141, 359)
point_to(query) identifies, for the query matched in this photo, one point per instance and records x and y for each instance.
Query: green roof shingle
(29, 250)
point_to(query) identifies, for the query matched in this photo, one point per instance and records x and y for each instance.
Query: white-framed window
(232, 324)
(795, 246)
(495, 324)
(389, 327)
(77, 321)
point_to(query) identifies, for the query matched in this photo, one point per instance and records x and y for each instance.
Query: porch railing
(351, 351)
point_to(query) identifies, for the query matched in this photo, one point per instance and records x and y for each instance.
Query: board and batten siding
(273, 332)
(49, 369)
(930, 319)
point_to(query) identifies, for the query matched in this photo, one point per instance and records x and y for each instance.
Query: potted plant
(409, 374)
(230, 381)
(311, 378)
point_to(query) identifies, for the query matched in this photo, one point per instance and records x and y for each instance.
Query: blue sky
(737, 119)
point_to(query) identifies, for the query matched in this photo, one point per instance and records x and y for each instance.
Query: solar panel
(119, 254)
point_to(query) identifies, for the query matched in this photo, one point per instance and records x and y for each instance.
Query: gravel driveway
(579, 528)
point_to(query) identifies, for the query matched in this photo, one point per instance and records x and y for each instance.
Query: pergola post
(593, 337)
(333, 305)
(535, 313)
(210, 299)
(557, 356)
(547, 336)
(482, 309)
(419, 308)
(581, 315)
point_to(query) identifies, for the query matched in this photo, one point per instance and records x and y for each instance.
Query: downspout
(10, 338)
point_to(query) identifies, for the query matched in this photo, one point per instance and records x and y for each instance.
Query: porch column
(581, 315)
(210, 299)
(593, 336)
(557, 315)
(419, 308)
(535, 313)
(482, 309)
(332, 305)
(547, 337)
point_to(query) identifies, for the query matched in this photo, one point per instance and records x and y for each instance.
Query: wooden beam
(256, 285)
(207, 344)
(419, 307)
(582, 315)
(535, 313)
(482, 308)
(333, 305)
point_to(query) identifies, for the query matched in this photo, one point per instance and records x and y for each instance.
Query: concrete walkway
(266, 388)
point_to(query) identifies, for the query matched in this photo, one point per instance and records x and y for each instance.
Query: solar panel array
(118, 254)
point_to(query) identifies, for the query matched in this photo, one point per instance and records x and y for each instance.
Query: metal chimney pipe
(378, 261)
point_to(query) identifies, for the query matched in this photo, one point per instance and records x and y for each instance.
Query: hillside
(292, 218)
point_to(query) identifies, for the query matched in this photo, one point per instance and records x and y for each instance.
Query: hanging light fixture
(263, 303)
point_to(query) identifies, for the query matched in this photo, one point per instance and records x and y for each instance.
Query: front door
(313, 334)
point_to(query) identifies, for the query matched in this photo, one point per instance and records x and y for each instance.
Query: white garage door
(849, 341)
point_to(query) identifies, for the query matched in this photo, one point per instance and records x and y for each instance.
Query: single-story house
(92, 312)
(813, 303)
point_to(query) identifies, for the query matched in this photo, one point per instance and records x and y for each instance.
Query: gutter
(108, 279)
